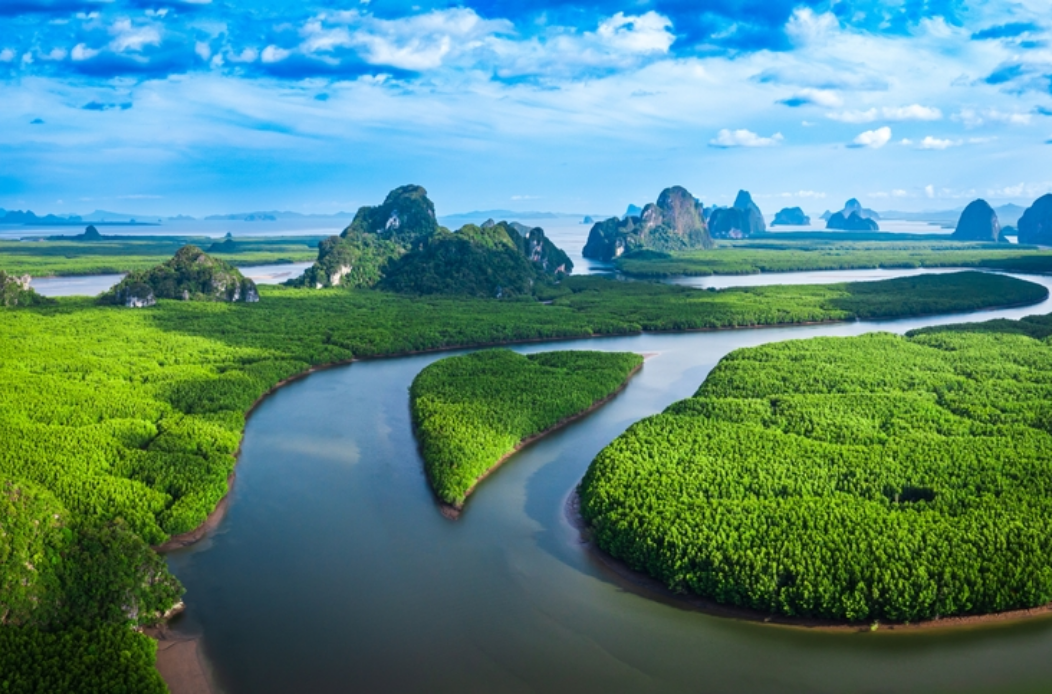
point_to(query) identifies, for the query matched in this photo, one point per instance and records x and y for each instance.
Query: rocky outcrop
(853, 205)
(15, 291)
(851, 222)
(791, 216)
(1035, 226)
(741, 220)
(498, 260)
(675, 222)
(406, 216)
(632, 211)
(192, 275)
(978, 222)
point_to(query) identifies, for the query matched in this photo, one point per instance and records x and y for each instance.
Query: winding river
(334, 571)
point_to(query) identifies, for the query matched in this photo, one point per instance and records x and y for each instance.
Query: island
(400, 246)
(791, 216)
(191, 275)
(471, 413)
(1035, 226)
(742, 220)
(978, 222)
(675, 222)
(850, 480)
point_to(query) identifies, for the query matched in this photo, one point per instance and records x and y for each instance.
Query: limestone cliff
(1035, 226)
(978, 222)
(675, 222)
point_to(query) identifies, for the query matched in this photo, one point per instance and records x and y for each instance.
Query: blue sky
(198, 106)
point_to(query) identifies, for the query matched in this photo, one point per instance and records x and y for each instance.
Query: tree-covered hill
(675, 222)
(399, 246)
(191, 275)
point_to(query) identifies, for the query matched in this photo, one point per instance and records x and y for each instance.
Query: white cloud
(55, 54)
(890, 113)
(873, 139)
(806, 27)
(727, 139)
(973, 118)
(82, 52)
(127, 37)
(929, 190)
(274, 54)
(202, 49)
(247, 55)
(930, 142)
(644, 33)
(7, 55)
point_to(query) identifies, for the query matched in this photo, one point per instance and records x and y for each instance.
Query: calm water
(333, 570)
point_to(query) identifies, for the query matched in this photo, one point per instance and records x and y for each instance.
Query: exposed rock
(15, 291)
(740, 220)
(587, 220)
(791, 216)
(675, 222)
(853, 205)
(192, 275)
(978, 222)
(400, 246)
(1035, 226)
(853, 222)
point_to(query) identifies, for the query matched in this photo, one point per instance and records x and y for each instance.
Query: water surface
(334, 571)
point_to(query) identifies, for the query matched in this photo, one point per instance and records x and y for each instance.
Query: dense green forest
(471, 411)
(750, 257)
(875, 477)
(120, 426)
(56, 258)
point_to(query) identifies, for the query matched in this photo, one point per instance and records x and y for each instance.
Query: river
(333, 570)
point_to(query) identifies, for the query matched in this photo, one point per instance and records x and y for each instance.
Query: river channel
(334, 571)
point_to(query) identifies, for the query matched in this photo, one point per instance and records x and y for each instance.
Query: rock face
(400, 246)
(1035, 226)
(791, 216)
(852, 222)
(741, 220)
(192, 275)
(853, 205)
(632, 211)
(978, 222)
(15, 291)
(675, 222)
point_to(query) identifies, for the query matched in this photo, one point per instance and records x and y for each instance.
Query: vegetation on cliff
(191, 275)
(470, 412)
(399, 246)
(15, 291)
(741, 220)
(875, 477)
(675, 222)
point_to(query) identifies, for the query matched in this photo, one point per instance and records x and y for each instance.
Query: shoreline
(178, 670)
(650, 588)
(453, 511)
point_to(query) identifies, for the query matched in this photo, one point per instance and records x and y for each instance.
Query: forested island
(852, 479)
(472, 412)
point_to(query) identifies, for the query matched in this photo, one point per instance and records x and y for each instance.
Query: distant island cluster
(678, 221)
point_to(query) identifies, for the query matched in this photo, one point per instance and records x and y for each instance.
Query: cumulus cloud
(930, 142)
(644, 33)
(127, 37)
(727, 139)
(7, 55)
(872, 139)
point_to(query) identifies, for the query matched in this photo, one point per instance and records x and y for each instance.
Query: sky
(212, 106)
